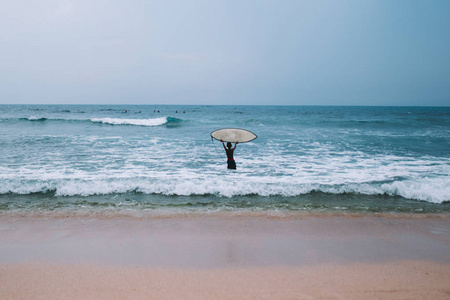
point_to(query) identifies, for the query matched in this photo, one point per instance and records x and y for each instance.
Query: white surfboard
(233, 135)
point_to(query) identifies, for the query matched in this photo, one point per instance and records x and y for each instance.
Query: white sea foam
(183, 166)
(138, 122)
(430, 190)
(171, 167)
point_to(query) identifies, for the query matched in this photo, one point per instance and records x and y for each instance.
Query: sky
(379, 52)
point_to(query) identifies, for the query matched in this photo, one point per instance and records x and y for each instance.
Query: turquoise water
(156, 157)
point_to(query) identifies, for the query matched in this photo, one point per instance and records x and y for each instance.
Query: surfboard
(233, 135)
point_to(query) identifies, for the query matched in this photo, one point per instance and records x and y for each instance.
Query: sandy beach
(222, 256)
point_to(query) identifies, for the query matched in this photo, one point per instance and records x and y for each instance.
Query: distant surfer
(230, 151)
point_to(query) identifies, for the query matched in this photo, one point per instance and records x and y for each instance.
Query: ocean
(160, 159)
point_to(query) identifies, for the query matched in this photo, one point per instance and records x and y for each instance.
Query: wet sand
(225, 257)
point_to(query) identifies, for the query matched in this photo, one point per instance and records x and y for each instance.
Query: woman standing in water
(230, 151)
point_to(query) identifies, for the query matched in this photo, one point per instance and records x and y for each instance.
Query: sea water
(161, 158)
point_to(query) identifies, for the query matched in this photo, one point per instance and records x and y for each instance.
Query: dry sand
(225, 257)
(399, 280)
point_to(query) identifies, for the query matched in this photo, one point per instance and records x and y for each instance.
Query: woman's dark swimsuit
(231, 164)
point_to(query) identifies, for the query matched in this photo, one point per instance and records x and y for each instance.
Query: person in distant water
(230, 151)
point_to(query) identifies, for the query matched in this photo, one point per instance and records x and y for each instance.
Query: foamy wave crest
(138, 122)
(36, 119)
(434, 191)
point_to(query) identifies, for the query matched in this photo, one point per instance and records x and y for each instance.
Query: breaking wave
(433, 191)
(168, 121)
(138, 122)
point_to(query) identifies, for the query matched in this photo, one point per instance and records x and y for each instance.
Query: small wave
(137, 122)
(35, 119)
(173, 122)
(425, 190)
(42, 119)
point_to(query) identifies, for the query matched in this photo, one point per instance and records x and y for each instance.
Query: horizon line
(160, 104)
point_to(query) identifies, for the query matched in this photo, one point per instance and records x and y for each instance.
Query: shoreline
(138, 214)
(302, 256)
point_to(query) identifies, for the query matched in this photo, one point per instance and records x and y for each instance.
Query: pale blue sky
(225, 52)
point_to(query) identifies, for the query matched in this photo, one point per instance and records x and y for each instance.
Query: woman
(230, 151)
